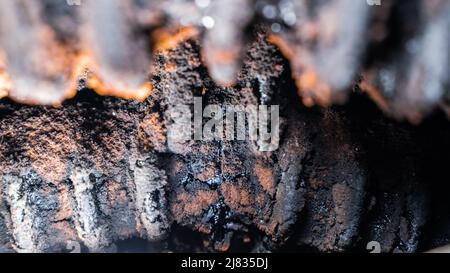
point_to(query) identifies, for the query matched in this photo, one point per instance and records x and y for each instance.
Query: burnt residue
(112, 173)
(399, 49)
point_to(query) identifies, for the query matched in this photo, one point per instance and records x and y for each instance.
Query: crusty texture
(75, 173)
(100, 170)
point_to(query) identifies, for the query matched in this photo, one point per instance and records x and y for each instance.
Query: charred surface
(105, 171)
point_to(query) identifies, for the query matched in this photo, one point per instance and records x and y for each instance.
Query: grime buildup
(89, 151)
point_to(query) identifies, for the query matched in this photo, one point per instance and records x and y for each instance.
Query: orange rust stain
(206, 229)
(194, 61)
(169, 38)
(193, 204)
(103, 89)
(269, 228)
(74, 65)
(48, 154)
(82, 65)
(229, 169)
(80, 69)
(205, 149)
(261, 199)
(151, 132)
(65, 207)
(374, 94)
(170, 67)
(115, 150)
(265, 178)
(52, 169)
(115, 194)
(313, 89)
(284, 47)
(72, 89)
(207, 173)
(87, 68)
(309, 80)
(237, 197)
(310, 86)
(224, 246)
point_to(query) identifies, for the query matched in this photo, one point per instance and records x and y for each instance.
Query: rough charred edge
(76, 172)
(224, 36)
(97, 166)
(102, 170)
(400, 48)
(225, 188)
(178, 78)
(335, 178)
(397, 205)
(396, 219)
(221, 188)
